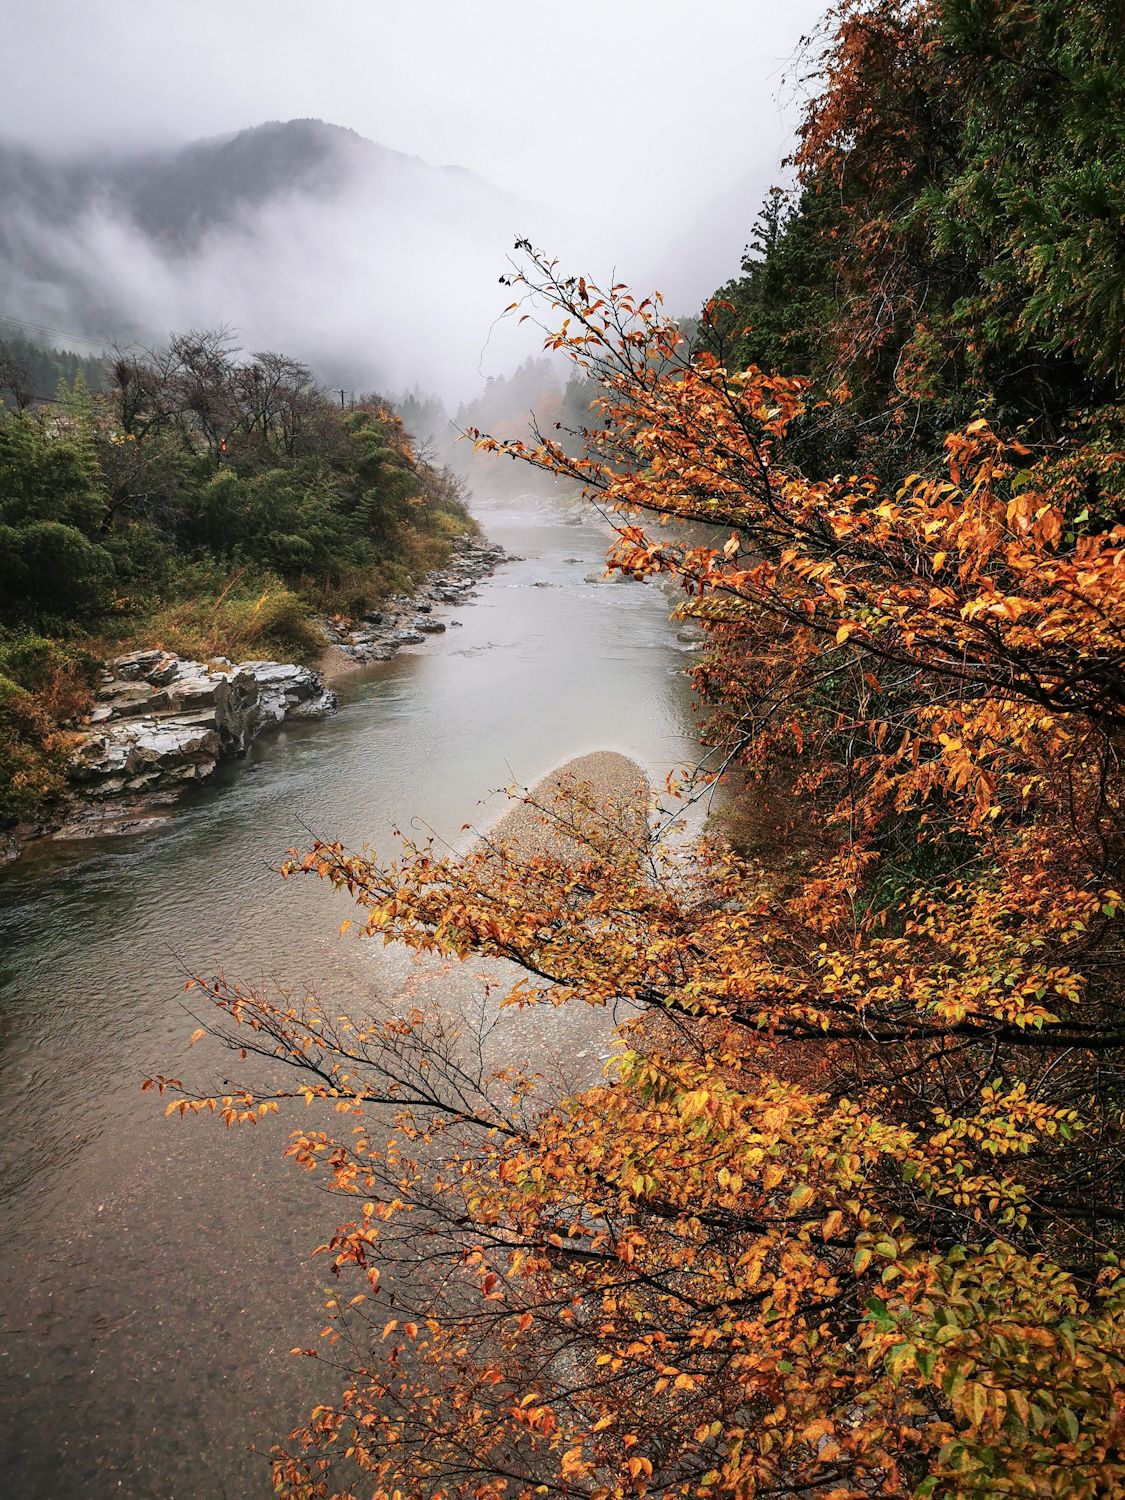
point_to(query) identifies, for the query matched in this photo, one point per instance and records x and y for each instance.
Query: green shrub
(59, 672)
(50, 569)
(144, 567)
(46, 475)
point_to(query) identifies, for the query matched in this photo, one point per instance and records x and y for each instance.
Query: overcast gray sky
(607, 105)
(647, 132)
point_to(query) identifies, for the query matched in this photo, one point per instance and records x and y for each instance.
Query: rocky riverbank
(408, 620)
(161, 723)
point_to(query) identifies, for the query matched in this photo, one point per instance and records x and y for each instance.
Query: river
(157, 1272)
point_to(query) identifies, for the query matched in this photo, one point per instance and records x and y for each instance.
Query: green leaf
(800, 1196)
(953, 1383)
(898, 1358)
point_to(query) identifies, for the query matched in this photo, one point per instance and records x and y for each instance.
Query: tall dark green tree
(953, 247)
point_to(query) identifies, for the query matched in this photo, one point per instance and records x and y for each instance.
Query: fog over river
(158, 1272)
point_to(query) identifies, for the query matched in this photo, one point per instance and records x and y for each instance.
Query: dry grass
(241, 622)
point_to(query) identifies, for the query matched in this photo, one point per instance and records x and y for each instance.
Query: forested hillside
(208, 503)
(845, 1217)
(30, 371)
(952, 248)
(304, 234)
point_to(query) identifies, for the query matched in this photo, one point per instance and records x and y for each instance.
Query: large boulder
(286, 691)
(161, 720)
(138, 663)
(135, 754)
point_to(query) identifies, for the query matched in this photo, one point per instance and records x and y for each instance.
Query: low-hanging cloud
(635, 141)
(382, 279)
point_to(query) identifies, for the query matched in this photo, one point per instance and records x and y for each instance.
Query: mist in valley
(374, 268)
(346, 185)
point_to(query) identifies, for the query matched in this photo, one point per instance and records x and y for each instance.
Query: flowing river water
(158, 1272)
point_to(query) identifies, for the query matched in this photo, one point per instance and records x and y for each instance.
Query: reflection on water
(159, 1272)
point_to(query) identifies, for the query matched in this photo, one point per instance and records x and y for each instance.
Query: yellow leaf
(831, 1224)
(800, 1195)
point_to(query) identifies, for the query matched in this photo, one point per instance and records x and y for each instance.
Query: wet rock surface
(408, 621)
(161, 722)
(691, 637)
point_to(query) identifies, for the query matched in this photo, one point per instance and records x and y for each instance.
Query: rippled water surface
(157, 1273)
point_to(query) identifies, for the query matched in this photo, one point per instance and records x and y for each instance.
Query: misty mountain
(177, 196)
(374, 265)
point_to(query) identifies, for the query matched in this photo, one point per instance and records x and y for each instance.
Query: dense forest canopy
(193, 454)
(206, 501)
(952, 248)
(31, 371)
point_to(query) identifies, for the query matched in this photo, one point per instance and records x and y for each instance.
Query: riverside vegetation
(203, 503)
(844, 1218)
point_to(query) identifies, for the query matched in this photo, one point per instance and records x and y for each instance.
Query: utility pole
(341, 400)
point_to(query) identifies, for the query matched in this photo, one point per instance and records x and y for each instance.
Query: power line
(55, 400)
(102, 343)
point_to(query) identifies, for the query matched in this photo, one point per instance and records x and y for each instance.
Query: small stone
(135, 663)
(122, 691)
(165, 672)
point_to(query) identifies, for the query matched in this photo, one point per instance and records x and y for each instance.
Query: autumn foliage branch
(844, 1217)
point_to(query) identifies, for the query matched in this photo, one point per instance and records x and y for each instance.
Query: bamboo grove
(844, 1217)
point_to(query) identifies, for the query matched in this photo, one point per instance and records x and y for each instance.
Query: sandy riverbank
(334, 664)
(616, 780)
(568, 1045)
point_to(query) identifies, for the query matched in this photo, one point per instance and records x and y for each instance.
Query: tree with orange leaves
(844, 1217)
